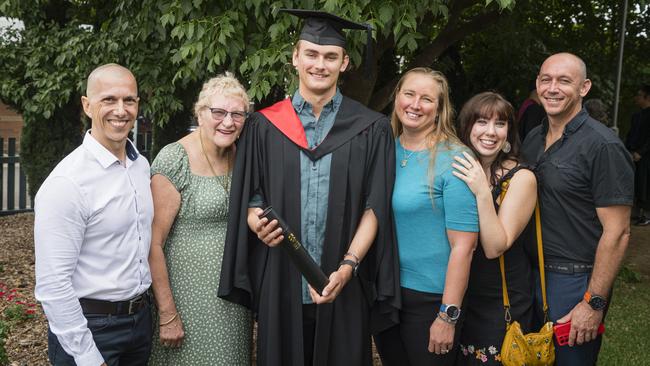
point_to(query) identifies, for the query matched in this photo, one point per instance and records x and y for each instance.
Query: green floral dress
(217, 332)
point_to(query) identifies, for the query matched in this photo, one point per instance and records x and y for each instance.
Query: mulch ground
(27, 340)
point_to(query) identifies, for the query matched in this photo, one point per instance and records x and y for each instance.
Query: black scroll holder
(298, 254)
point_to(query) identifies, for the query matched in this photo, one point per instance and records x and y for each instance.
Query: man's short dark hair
(645, 89)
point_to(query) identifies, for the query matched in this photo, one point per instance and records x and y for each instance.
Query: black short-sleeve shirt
(587, 167)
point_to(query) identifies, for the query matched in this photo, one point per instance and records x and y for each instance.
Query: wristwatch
(595, 301)
(452, 311)
(352, 264)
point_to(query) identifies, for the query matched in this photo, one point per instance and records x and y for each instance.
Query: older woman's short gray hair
(225, 84)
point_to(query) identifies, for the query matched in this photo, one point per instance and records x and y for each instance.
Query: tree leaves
(173, 45)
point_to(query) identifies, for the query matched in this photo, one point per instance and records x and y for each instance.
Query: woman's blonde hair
(228, 86)
(225, 84)
(443, 125)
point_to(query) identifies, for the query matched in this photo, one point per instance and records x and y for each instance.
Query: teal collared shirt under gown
(314, 178)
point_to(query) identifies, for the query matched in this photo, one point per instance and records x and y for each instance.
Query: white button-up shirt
(92, 233)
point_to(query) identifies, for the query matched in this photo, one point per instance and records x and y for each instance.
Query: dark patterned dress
(484, 326)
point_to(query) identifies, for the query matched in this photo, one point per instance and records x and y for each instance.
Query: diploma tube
(298, 255)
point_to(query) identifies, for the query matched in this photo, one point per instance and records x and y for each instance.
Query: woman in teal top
(436, 223)
(190, 187)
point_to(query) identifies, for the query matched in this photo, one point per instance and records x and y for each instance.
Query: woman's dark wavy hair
(486, 105)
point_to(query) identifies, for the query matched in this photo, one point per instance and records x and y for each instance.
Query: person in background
(92, 231)
(190, 184)
(530, 114)
(586, 190)
(638, 144)
(436, 223)
(487, 127)
(598, 111)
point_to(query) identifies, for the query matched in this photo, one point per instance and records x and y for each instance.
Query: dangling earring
(506, 147)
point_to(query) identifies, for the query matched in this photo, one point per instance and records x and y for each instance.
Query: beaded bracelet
(445, 318)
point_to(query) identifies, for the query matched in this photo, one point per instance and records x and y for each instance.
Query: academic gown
(263, 278)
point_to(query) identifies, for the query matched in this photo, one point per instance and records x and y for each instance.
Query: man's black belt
(568, 268)
(127, 307)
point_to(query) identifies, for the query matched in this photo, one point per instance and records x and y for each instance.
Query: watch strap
(350, 263)
(445, 307)
(596, 302)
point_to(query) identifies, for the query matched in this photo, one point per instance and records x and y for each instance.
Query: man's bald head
(561, 84)
(568, 59)
(114, 70)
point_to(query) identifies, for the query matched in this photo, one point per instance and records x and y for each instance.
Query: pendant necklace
(225, 182)
(405, 158)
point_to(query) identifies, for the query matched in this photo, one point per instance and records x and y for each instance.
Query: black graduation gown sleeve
(362, 176)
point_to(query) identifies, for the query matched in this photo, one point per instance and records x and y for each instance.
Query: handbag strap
(540, 256)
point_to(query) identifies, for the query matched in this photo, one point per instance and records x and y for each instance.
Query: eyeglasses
(220, 114)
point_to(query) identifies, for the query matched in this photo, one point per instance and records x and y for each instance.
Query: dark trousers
(308, 332)
(406, 344)
(563, 293)
(123, 340)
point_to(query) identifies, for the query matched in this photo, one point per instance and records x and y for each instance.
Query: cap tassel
(369, 52)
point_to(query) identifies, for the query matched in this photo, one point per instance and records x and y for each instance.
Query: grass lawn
(627, 336)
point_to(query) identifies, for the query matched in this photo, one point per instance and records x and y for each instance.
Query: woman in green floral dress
(190, 186)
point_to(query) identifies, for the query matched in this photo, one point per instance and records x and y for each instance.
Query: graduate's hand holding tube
(338, 280)
(268, 232)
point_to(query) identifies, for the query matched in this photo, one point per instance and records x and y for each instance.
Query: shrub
(4, 331)
(629, 275)
(18, 313)
(45, 142)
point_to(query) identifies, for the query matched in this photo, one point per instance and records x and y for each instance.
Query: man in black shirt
(586, 193)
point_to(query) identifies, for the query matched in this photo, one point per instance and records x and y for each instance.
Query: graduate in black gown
(325, 163)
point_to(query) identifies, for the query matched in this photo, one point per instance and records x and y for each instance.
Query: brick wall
(11, 125)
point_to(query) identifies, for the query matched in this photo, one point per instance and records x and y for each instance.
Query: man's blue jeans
(121, 339)
(563, 292)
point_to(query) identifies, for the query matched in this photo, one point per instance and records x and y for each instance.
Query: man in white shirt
(92, 231)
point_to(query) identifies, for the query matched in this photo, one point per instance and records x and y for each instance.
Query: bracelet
(445, 318)
(170, 320)
(353, 256)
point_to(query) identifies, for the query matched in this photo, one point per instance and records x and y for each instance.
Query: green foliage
(4, 333)
(172, 46)
(506, 57)
(45, 142)
(17, 313)
(628, 275)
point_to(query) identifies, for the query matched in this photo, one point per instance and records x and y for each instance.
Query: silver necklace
(225, 182)
(405, 158)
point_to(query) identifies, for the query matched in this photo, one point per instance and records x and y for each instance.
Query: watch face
(597, 303)
(453, 312)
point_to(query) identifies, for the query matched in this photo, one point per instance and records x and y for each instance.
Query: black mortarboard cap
(326, 29)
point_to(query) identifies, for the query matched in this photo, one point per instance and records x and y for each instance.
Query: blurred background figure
(530, 114)
(598, 111)
(638, 143)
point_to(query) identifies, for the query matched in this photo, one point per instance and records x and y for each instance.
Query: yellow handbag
(532, 349)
